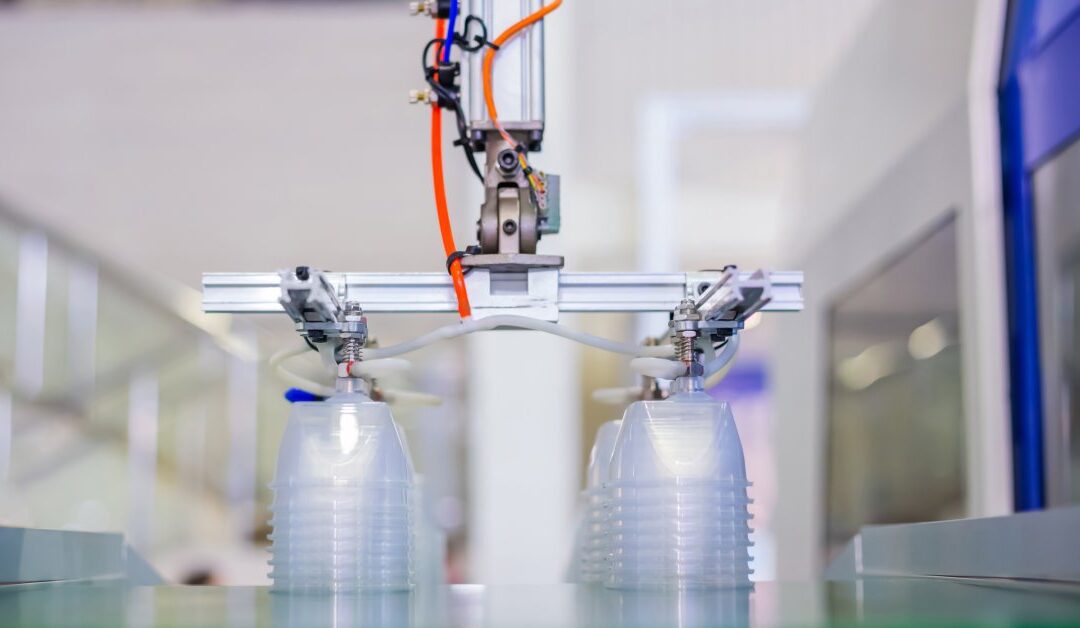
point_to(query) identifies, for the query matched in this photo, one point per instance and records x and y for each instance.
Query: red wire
(456, 274)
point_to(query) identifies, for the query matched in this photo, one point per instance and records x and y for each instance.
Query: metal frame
(540, 293)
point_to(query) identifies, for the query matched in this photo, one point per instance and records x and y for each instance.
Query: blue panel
(1039, 103)
(1024, 372)
(1049, 17)
(1022, 35)
(1050, 95)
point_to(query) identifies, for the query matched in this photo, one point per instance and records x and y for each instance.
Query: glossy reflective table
(869, 601)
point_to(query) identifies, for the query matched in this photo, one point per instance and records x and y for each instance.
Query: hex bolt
(507, 161)
(352, 308)
(687, 311)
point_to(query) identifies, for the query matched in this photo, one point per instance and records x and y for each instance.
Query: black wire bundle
(450, 98)
(478, 41)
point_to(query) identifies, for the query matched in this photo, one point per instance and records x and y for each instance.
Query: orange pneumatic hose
(456, 274)
(489, 59)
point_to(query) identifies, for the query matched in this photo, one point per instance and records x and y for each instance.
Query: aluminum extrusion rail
(258, 293)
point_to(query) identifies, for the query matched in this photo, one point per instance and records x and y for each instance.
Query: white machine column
(524, 409)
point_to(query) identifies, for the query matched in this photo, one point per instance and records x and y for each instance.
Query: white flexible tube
(461, 329)
(277, 363)
(715, 370)
(519, 322)
(409, 398)
(617, 396)
(658, 368)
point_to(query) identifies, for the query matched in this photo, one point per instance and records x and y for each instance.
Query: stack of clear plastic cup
(593, 559)
(677, 505)
(343, 500)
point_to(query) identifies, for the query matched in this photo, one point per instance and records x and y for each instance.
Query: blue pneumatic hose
(451, 19)
(294, 395)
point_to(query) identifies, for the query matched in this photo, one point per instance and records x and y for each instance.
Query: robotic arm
(503, 277)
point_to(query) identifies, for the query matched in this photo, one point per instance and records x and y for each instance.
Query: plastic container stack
(678, 509)
(593, 564)
(343, 500)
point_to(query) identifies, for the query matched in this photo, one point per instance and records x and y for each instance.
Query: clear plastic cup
(346, 441)
(676, 503)
(592, 553)
(351, 550)
(600, 456)
(300, 514)
(342, 515)
(685, 439)
(344, 568)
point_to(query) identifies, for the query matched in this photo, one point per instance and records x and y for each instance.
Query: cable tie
(453, 257)
(476, 44)
(456, 256)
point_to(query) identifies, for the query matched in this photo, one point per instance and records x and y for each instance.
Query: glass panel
(9, 264)
(896, 421)
(1057, 221)
(110, 353)
(55, 380)
(1070, 390)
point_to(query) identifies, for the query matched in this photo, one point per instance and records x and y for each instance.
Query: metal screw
(509, 227)
(508, 161)
(419, 8)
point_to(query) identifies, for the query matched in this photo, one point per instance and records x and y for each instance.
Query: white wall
(910, 119)
(178, 140)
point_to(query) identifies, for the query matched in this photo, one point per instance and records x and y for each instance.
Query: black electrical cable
(462, 126)
(452, 99)
(717, 346)
(478, 41)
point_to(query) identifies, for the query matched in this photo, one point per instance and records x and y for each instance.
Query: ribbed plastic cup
(593, 559)
(342, 516)
(675, 502)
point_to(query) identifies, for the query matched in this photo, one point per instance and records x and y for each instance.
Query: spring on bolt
(352, 349)
(684, 349)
